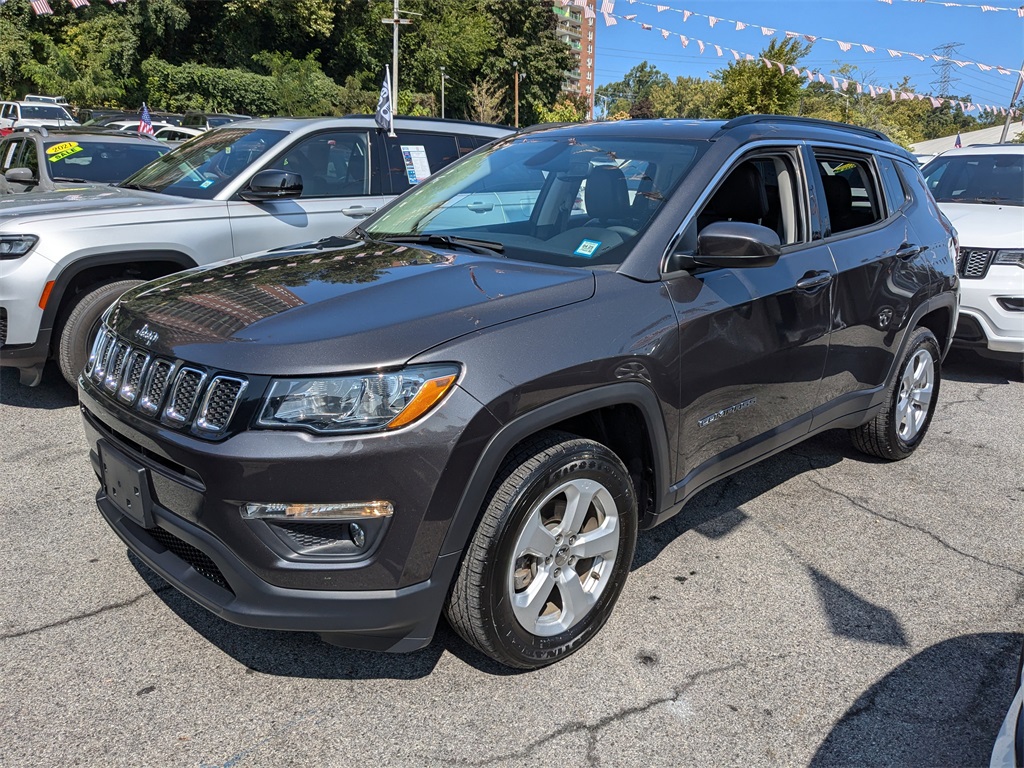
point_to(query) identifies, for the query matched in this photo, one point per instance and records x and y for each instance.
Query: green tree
(687, 97)
(749, 87)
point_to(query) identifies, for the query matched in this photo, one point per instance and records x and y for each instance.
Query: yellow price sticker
(64, 153)
(58, 148)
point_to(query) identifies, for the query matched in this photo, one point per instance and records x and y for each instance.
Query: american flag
(145, 123)
(79, 3)
(42, 8)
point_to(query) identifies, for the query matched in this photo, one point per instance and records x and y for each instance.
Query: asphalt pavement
(820, 609)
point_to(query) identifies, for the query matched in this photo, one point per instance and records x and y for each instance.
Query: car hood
(986, 225)
(81, 199)
(358, 306)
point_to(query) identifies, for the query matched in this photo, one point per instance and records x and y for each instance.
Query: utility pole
(515, 65)
(395, 20)
(1013, 100)
(443, 76)
(944, 69)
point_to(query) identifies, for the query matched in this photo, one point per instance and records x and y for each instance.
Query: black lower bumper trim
(384, 620)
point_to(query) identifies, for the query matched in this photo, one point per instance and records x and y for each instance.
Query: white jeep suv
(981, 190)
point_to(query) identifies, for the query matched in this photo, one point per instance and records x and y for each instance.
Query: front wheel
(901, 426)
(551, 553)
(81, 324)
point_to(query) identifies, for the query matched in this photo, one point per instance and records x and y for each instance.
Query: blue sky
(994, 38)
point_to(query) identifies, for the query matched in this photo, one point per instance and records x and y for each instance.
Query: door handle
(907, 251)
(358, 211)
(814, 280)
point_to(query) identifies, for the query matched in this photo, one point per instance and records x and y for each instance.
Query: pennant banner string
(813, 76)
(985, 8)
(843, 45)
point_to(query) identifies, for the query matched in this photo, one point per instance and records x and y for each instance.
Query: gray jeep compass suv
(472, 403)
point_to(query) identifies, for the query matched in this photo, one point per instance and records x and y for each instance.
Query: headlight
(356, 403)
(16, 246)
(1014, 258)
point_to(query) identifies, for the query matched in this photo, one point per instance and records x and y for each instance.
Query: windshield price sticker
(587, 248)
(62, 150)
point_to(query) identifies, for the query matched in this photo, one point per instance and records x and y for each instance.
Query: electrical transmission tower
(944, 83)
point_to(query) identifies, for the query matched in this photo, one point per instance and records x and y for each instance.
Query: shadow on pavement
(53, 392)
(967, 366)
(716, 511)
(934, 709)
(304, 654)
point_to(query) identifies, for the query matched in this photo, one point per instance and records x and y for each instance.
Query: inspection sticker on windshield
(417, 168)
(587, 248)
(62, 150)
(207, 183)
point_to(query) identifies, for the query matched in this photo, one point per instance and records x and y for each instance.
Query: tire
(80, 326)
(536, 584)
(900, 427)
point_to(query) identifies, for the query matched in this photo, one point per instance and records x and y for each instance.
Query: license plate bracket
(126, 485)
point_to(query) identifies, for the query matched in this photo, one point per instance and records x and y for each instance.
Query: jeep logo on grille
(146, 334)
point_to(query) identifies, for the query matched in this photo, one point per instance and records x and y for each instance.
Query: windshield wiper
(483, 247)
(143, 187)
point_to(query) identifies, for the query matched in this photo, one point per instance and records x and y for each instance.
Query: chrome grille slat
(155, 386)
(115, 365)
(218, 406)
(184, 394)
(179, 395)
(133, 370)
(974, 262)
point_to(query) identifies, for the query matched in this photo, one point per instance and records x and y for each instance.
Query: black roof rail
(736, 122)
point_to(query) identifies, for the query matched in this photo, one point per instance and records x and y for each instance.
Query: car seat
(607, 200)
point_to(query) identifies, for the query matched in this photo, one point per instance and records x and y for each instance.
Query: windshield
(550, 198)
(995, 178)
(101, 161)
(40, 112)
(203, 166)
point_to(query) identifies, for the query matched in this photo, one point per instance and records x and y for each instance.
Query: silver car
(244, 187)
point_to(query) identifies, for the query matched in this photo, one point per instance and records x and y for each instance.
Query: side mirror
(737, 244)
(21, 176)
(272, 185)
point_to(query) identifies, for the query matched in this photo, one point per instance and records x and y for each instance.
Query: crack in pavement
(945, 544)
(593, 729)
(976, 398)
(87, 615)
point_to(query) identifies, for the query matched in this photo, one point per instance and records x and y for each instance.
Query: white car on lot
(245, 187)
(981, 190)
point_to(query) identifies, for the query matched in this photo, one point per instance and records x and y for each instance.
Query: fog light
(353, 510)
(358, 535)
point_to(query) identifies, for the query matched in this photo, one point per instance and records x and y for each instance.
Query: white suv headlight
(364, 403)
(1014, 257)
(16, 246)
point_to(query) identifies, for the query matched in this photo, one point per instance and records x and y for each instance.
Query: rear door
(874, 249)
(340, 187)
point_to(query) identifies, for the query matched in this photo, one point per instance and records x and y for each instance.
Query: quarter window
(895, 192)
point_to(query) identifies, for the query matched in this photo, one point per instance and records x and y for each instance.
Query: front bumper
(389, 597)
(987, 322)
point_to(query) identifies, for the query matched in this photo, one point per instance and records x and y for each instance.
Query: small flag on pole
(42, 8)
(957, 142)
(385, 112)
(145, 122)
(79, 3)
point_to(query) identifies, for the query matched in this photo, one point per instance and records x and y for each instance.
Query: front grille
(3, 326)
(163, 389)
(196, 558)
(973, 263)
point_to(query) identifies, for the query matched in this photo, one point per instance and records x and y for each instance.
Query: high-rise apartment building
(576, 28)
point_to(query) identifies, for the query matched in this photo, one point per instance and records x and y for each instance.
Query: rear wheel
(80, 326)
(551, 554)
(901, 426)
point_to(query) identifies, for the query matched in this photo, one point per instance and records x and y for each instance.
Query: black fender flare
(508, 435)
(77, 267)
(945, 300)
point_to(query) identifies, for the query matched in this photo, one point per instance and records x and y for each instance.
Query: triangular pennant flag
(868, 48)
(712, 20)
(665, 33)
(700, 44)
(646, 26)
(766, 31)
(740, 25)
(661, 8)
(42, 8)
(718, 50)
(844, 46)
(894, 54)
(609, 20)
(684, 40)
(687, 14)
(735, 54)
